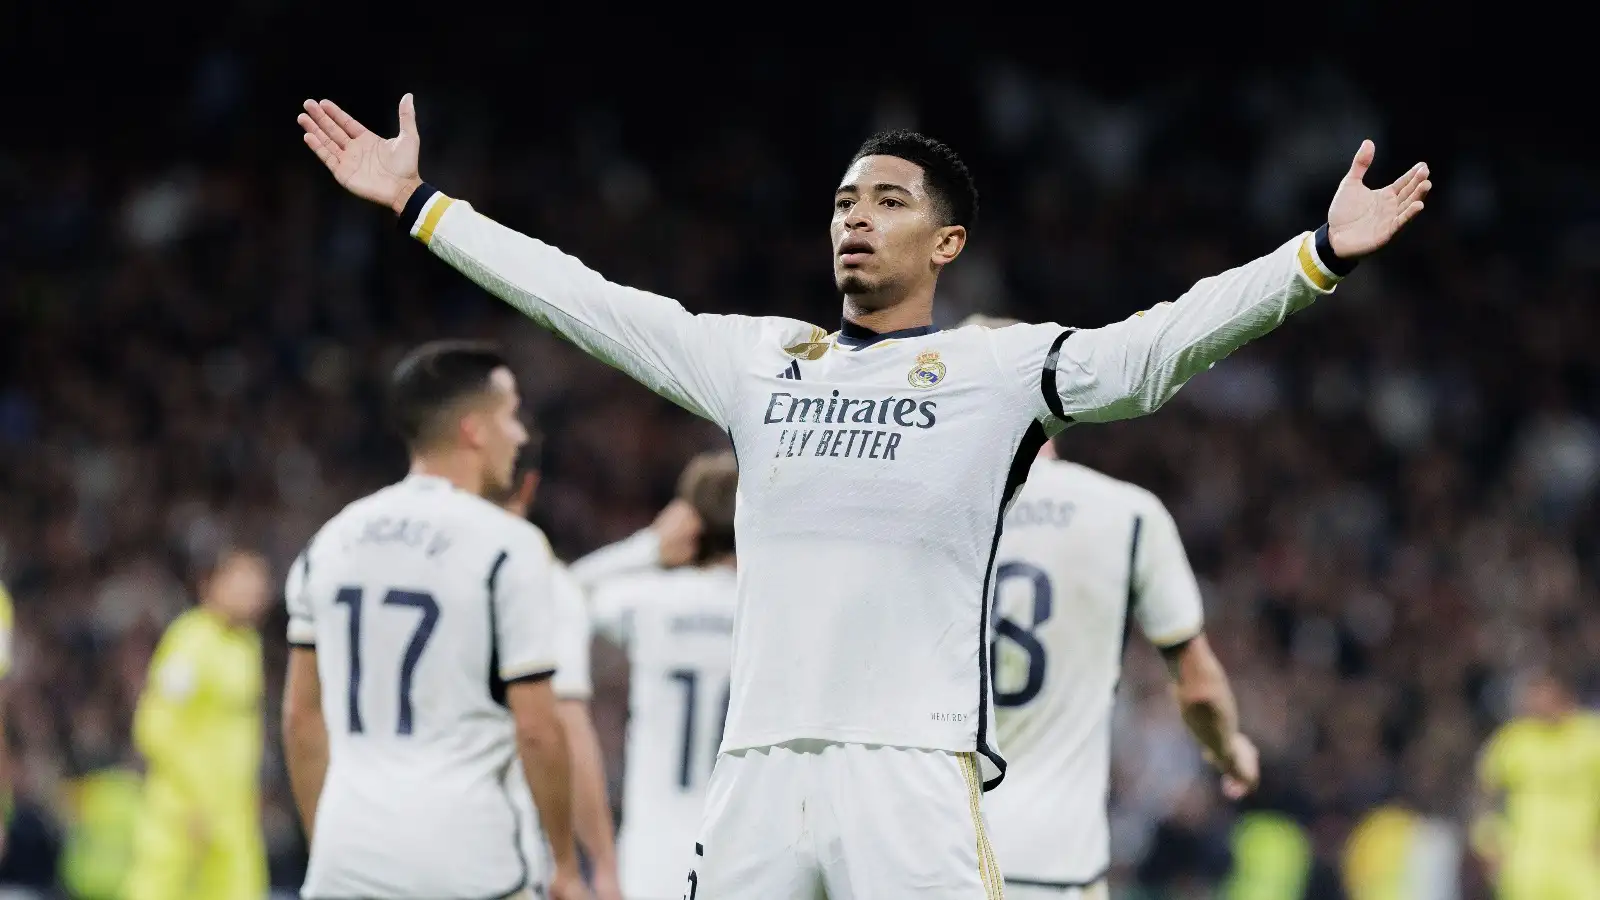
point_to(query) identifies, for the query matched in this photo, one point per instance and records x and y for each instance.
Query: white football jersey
(677, 627)
(874, 468)
(1082, 554)
(572, 681)
(422, 602)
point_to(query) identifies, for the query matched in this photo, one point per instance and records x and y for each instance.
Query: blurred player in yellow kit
(1540, 773)
(5, 761)
(198, 726)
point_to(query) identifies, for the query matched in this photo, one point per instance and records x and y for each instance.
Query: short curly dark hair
(945, 175)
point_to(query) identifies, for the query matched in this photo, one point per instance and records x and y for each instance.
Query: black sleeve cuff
(544, 675)
(413, 210)
(1172, 651)
(303, 645)
(1339, 267)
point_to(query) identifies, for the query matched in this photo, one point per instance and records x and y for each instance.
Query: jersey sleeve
(302, 628)
(1166, 597)
(611, 608)
(525, 611)
(1132, 367)
(693, 360)
(640, 552)
(572, 680)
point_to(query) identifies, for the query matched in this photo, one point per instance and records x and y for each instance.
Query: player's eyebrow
(880, 187)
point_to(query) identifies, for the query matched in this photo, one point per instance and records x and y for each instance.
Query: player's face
(241, 588)
(887, 234)
(1544, 698)
(500, 433)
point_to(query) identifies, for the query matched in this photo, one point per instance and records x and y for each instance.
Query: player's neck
(915, 310)
(221, 615)
(456, 468)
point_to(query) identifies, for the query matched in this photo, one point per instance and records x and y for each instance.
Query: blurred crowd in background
(1391, 502)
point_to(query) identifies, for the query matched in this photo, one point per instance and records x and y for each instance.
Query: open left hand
(1241, 770)
(1361, 219)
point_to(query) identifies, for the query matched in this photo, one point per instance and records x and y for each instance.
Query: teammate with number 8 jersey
(677, 626)
(422, 627)
(1084, 558)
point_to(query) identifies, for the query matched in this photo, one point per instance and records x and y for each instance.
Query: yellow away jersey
(1550, 776)
(6, 619)
(199, 719)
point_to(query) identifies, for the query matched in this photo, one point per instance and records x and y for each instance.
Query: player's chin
(850, 281)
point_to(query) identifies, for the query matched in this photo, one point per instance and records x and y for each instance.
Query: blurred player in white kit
(677, 627)
(573, 686)
(1082, 559)
(422, 632)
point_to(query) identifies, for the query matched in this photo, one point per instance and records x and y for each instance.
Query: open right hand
(678, 528)
(382, 170)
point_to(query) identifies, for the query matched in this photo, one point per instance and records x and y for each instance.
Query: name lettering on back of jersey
(1040, 513)
(784, 408)
(415, 533)
(708, 623)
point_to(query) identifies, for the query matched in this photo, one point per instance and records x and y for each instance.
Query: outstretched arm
(670, 541)
(1132, 367)
(692, 360)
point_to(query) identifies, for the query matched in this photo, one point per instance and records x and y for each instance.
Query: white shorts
(1031, 891)
(650, 871)
(812, 819)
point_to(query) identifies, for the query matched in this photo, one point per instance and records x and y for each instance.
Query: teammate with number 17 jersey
(422, 627)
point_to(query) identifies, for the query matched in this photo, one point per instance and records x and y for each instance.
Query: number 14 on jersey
(689, 679)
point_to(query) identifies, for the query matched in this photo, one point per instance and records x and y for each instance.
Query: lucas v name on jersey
(898, 415)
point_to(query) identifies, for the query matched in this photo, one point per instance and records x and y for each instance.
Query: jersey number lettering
(690, 679)
(1022, 636)
(351, 597)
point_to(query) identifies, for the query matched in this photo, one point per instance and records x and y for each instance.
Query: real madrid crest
(928, 371)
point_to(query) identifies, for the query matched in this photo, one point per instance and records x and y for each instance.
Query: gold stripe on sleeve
(1308, 265)
(435, 213)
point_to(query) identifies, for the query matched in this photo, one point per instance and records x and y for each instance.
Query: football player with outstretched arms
(877, 463)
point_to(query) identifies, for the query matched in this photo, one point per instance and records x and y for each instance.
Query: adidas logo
(792, 372)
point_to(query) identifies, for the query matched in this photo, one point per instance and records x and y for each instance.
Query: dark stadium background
(1391, 502)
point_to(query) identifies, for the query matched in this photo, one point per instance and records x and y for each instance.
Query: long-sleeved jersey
(198, 723)
(875, 469)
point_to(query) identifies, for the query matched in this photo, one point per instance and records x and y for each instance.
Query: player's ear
(472, 428)
(528, 488)
(948, 243)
